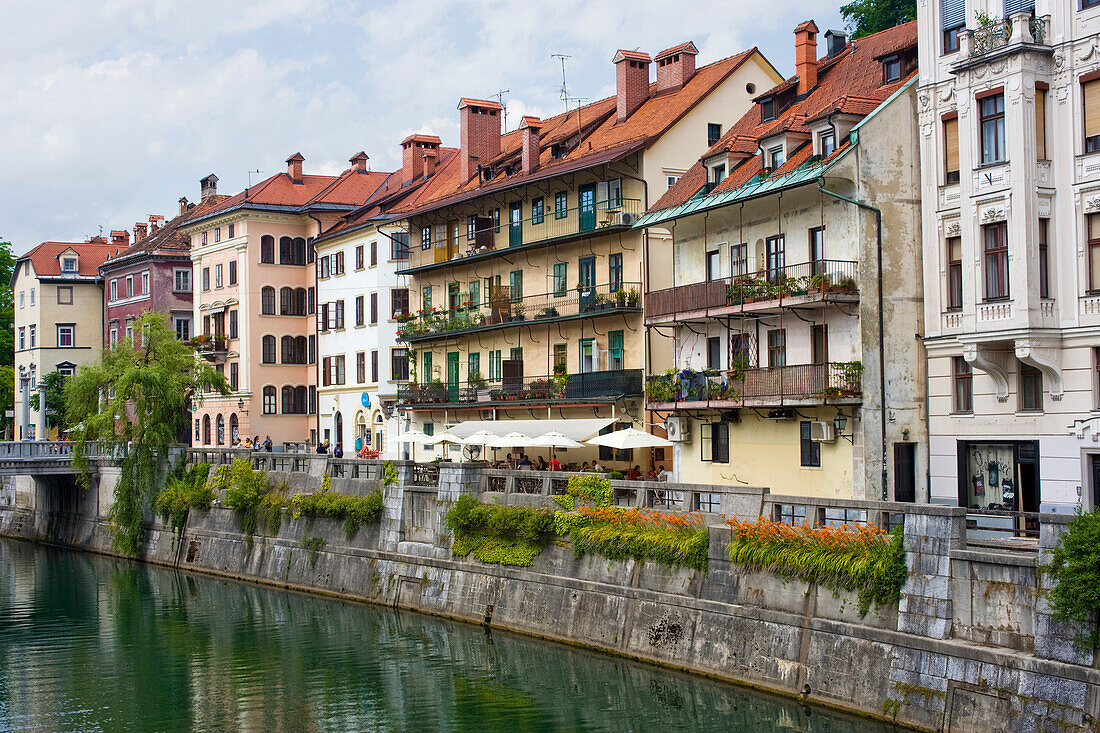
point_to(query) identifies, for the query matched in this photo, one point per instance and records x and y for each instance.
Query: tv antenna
(257, 171)
(499, 96)
(564, 91)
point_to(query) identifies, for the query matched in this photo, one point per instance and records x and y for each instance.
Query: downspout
(881, 335)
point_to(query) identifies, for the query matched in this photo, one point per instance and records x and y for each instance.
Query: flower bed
(509, 535)
(863, 559)
(676, 539)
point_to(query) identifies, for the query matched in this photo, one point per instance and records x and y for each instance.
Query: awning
(579, 429)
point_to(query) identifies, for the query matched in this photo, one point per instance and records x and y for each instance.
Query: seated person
(585, 466)
(555, 464)
(541, 465)
(662, 474)
(524, 461)
(634, 474)
(651, 474)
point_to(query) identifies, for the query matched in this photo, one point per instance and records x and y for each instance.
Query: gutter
(881, 335)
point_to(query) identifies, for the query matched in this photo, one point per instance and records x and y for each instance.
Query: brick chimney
(429, 159)
(183, 205)
(359, 162)
(139, 231)
(531, 127)
(631, 81)
(675, 66)
(413, 150)
(805, 56)
(120, 237)
(209, 187)
(479, 134)
(294, 167)
(156, 221)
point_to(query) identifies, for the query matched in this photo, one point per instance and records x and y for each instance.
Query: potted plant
(437, 391)
(851, 377)
(845, 285)
(658, 389)
(632, 297)
(620, 297)
(819, 283)
(798, 285)
(517, 312)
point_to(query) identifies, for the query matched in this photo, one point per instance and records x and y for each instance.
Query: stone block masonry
(936, 661)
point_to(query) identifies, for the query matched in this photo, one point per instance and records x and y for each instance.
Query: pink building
(255, 299)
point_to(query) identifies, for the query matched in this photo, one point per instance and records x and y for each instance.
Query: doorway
(587, 207)
(905, 472)
(338, 426)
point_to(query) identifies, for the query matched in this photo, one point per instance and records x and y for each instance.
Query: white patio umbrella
(416, 438)
(444, 438)
(629, 438)
(482, 438)
(511, 440)
(554, 440)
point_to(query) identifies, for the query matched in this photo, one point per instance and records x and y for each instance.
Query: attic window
(891, 69)
(68, 264)
(767, 110)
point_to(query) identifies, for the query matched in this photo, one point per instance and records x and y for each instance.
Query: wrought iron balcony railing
(213, 348)
(489, 237)
(992, 34)
(500, 309)
(817, 280)
(557, 388)
(760, 386)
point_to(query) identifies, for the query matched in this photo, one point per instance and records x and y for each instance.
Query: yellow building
(525, 274)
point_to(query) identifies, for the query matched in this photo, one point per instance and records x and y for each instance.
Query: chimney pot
(675, 66)
(209, 187)
(414, 148)
(631, 81)
(294, 167)
(805, 56)
(183, 205)
(835, 42)
(479, 134)
(359, 161)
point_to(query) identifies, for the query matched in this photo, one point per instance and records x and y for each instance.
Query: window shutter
(1040, 124)
(951, 144)
(705, 450)
(1091, 92)
(1016, 6)
(952, 13)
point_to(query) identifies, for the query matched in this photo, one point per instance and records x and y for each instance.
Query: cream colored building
(796, 362)
(58, 319)
(1010, 151)
(525, 274)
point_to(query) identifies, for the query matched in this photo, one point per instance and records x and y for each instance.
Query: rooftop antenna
(257, 171)
(499, 96)
(564, 91)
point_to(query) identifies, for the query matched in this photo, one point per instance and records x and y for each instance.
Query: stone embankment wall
(971, 645)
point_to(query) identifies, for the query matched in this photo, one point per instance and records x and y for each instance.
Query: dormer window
(776, 157)
(718, 174)
(767, 110)
(891, 69)
(68, 264)
(826, 144)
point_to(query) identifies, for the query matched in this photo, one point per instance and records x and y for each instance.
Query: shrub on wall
(253, 499)
(509, 535)
(184, 490)
(354, 510)
(1075, 569)
(863, 559)
(596, 490)
(617, 533)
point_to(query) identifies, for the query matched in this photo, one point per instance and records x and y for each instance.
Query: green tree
(133, 401)
(7, 309)
(865, 17)
(53, 384)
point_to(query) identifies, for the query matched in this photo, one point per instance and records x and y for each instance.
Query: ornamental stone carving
(993, 214)
(954, 229)
(1092, 204)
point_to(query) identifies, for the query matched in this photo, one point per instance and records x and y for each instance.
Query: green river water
(89, 643)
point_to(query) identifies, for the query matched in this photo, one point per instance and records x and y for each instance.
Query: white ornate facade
(1012, 316)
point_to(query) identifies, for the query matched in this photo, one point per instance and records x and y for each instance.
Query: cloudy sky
(113, 110)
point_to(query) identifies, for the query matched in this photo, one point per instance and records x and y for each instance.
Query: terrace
(501, 310)
(835, 383)
(805, 285)
(604, 386)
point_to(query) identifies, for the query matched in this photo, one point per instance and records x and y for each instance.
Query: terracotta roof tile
(686, 47)
(167, 239)
(90, 255)
(850, 82)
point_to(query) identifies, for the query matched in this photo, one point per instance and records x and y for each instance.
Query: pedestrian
(322, 448)
(338, 451)
(267, 444)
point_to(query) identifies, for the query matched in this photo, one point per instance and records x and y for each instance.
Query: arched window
(286, 301)
(294, 400)
(300, 398)
(300, 349)
(221, 430)
(268, 349)
(300, 304)
(267, 249)
(267, 300)
(269, 400)
(206, 430)
(286, 252)
(234, 429)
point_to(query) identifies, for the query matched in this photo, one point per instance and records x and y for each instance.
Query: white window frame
(71, 330)
(185, 274)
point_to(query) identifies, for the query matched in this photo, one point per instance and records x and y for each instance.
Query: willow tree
(133, 403)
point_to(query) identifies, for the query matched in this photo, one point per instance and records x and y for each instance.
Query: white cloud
(114, 110)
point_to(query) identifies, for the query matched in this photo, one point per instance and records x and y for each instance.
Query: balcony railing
(213, 348)
(992, 34)
(489, 237)
(760, 386)
(500, 309)
(558, 387)
(818, 280)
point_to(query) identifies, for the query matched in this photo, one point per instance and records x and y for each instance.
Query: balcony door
(587, 282)
(587, 207)
(452, 376)
(774, 257)
(588, 356)
(515, 224)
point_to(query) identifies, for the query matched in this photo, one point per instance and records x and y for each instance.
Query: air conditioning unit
(624, 219)
(822, 432)
(677, 429)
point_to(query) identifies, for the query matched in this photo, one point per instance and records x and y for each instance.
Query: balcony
(211, 348)
(996, 37)
(513, 390)
(503, 311)
(804, 285)
(835, 383)
(494, 240)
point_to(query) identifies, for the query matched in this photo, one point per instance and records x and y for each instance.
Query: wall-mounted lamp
(840, 421)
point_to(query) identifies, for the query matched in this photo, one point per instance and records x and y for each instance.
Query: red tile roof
(90, 255)
(850, 82)
(602, 138)
(167, 239)
(686, 47)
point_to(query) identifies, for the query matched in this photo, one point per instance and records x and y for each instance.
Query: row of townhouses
(860, 280)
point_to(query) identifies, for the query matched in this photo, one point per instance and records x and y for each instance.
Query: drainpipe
(881, 337)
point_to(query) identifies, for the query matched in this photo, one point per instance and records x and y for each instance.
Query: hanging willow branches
(133, 404)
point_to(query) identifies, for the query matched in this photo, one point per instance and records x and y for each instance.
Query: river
(90, 643)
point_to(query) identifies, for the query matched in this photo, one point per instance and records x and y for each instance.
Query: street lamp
(840, 421)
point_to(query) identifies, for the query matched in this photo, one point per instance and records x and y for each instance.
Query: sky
(114, 110)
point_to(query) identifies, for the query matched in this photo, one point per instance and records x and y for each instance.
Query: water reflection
(90, 643)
